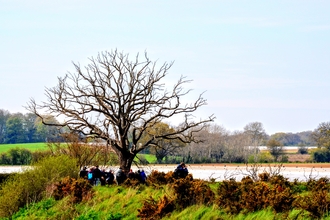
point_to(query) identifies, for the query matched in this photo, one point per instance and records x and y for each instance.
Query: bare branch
(114, 98)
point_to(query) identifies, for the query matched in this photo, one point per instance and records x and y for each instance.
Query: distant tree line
(216, 143)
(25, 128)
(220, 145)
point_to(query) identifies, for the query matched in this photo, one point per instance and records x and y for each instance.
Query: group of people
(102, 177)
(181, 171)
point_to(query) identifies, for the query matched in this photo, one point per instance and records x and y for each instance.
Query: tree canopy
(321, 135)
(117, 99)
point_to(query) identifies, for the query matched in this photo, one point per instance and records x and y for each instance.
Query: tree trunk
(125, 160)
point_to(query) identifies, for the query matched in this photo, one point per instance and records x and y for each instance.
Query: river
(220, 172)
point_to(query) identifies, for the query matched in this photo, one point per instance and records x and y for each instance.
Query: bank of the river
(219, 172)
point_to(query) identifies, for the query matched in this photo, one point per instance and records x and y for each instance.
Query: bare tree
(237, 147)
(211, 147)
(257, 135)
(117, 100)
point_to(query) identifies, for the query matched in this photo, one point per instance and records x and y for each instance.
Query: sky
(255, 61)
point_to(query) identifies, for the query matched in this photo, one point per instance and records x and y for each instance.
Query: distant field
(150, 158)
(30, 146)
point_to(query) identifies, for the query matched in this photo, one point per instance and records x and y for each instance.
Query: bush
(263, 157)
(229, 196)
(16, 156)
(302, 150)
(316, 203)
(152, 209)
(321, 155)
(320, 184)
(254, 196)
(191, 192)
(272, 191)
(79, 189)
(40, 155)
(160, 178)
(30, 186)
(281, 199)
(4, 176)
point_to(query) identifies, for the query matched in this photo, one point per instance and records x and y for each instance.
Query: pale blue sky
(265, 61)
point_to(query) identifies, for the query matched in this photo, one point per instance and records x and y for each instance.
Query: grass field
(30, 146)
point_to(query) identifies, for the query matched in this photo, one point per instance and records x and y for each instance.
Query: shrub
(249, 196)
(40, 155)
(316, 203)
(321, 155)
(279, 180)
(152, 209)
(30, 186)
(79, 189)
(4, 176)
(158, 178)
(302, 150)
(264, 176)
(281, 199)
(229, 196)
(186, 192)
(198, 192)
(254, 196)
(16, 156)
(131, 182)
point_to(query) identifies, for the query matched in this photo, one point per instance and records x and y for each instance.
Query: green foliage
(275, 148)
(263, 157)
(321, 135)
(116, 216)
(4, 177)
(14, 129)
(16, 156)
(34, 208)
(31, 185)
(92, 214)
(321, 155)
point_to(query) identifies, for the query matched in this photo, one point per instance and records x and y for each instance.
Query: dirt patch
(299, 158)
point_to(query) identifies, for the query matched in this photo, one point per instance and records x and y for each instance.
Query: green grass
(29, 146)
(150, 158)
(118, 202)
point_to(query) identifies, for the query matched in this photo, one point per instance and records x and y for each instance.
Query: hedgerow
(235, 198)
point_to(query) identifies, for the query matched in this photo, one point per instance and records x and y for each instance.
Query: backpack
(90, 176)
